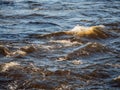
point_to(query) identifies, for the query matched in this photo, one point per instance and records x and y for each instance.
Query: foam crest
(91, 32)
(23, 51)
(65, 42)
(6, 66)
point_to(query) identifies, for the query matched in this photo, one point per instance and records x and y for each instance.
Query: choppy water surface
(60, 44)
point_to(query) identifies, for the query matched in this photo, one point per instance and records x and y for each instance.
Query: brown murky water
(59, 45)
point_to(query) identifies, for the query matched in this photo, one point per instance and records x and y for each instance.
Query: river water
(59, 44)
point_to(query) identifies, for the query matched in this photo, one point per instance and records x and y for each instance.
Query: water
(59, 44)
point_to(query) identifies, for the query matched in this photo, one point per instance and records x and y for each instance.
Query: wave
(23, 51)
(4, 50)
(88, 49)
(115, 82)
(18, 76)
(6, 66)
(46, 23)
(21, 77)
(94, 32)
(21, 16)
(91, 32)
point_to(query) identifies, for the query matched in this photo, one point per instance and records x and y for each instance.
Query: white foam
(79, 28)
(6, 66)
(83, 28)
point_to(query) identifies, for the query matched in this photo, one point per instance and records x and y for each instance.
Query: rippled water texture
(59, 44)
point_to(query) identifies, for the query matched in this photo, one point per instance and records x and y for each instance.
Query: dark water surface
(59, 44)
